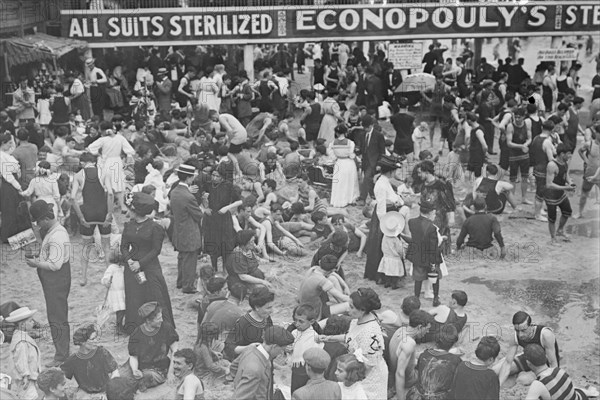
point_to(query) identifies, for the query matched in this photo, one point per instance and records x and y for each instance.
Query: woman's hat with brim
(141, 203)
(392, 223)
(20, 314)
(90, 61)
(387, 163)
(186, 169)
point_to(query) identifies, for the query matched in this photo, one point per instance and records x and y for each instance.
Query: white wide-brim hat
(20, 314)
(392, 223)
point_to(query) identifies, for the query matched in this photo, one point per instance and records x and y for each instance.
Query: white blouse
(384, 194)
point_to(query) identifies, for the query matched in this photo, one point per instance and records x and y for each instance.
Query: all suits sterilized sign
(308, 23)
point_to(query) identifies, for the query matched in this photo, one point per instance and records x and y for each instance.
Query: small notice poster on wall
(557, 54)
(406, 55)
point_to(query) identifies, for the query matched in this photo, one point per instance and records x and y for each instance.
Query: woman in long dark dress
(387, 200)
(15, 218)
(141, 243)
(223, 196)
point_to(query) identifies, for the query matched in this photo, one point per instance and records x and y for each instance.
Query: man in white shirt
(54, 271)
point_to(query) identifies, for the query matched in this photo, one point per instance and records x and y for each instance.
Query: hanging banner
(283, 24)
(557, 54)
(406, 55)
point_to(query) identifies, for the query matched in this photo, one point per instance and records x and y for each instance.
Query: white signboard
(406, 55)
(557, 54)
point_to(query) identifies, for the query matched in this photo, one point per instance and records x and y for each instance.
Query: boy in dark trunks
(558, 183)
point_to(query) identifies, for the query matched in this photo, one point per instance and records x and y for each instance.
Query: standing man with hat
(24, 101)
(163, 92)
(316, 362)
(96, 81)
(424, 249)
(187, 217)
(25, 353)
(54, 271)
(253, 369)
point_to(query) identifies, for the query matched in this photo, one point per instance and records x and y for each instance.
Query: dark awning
(39, 47)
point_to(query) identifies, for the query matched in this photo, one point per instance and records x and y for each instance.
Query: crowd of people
(244, 173)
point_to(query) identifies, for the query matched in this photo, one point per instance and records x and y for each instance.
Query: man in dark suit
(374, 89)
(163, 89)
(424, 249)
(373, 146)
(361, 85)
(186, 229)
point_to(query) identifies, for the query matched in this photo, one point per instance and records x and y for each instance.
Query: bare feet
(563, 236)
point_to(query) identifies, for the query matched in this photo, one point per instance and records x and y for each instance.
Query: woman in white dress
(344, 189)
(332, 116)
(110, 147)
(209, 91)
(365, 333)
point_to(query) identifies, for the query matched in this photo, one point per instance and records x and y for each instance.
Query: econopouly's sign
(311, 23)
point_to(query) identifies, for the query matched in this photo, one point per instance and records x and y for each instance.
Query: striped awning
(39, 47)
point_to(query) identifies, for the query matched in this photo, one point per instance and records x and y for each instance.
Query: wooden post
(249, 61)
(20, 14)
(477, 46)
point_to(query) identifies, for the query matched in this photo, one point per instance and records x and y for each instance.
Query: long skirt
(116, 170)
(327, 129)
(98, 96)
(344, 189)
(136, 294)
(15, 217)
(81, 104)
(373, 247)
(221, 238)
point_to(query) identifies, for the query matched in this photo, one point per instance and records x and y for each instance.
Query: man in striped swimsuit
(550, 383)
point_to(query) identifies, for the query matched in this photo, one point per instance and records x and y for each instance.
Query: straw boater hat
(392, 223)
(20, 314)
(186, 169)
(89, 62)
(162, 71)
